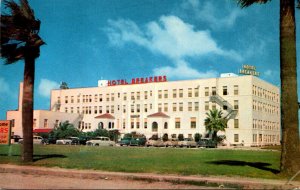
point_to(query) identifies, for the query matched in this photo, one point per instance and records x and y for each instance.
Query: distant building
(43, 120)
(154, 106)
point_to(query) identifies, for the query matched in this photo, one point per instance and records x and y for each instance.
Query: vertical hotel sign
(5, 132)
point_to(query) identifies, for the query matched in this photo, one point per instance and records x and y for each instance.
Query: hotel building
(156, 106)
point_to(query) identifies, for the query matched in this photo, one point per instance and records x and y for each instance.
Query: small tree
(197, 137)
(180, 137)
(65, 130)
(215, 122)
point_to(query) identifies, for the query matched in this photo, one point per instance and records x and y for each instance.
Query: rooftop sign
(137, 80)
(249, 70)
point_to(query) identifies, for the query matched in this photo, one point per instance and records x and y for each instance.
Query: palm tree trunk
(27, 109)
(290, 154)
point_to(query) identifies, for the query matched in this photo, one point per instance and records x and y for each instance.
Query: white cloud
(216, 17)
(4, 87)
(46, 86)
(183, 71)
(169, 36)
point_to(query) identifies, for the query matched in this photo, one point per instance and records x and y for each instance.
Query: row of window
(264, 107)
(263, 93)
(176, 93)
(260, 138)
(265, 125)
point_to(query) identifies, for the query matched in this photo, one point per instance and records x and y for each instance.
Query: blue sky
(88, 40)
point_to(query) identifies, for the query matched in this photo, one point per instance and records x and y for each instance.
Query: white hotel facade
(177, 107)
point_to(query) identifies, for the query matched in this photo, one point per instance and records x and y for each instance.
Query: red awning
(42, 130)
(105, 116)
(159, 114)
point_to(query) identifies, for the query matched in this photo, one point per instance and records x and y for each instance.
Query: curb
(216, 181)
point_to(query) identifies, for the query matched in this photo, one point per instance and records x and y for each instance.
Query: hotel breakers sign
(249, 70)
(138, 80)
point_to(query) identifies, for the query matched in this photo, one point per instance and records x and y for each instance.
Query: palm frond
(247, 3)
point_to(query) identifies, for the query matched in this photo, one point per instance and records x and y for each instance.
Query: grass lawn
(246, 163)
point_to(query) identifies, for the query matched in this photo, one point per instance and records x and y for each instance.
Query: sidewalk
(211, 181)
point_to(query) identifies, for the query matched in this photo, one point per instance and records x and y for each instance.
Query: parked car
(171, 142)
(155, 143)
(187, 142)
(207, 143)
(134, 141)
(51, 140)
(83, 140)
(100, 141)
(36, 140)
(16, 138)
(68, 141)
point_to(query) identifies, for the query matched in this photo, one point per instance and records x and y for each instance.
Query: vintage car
(68, 141)
(207, 143)
(171, 143)
(187, 142)
(133, 141)
(155, 143)
(100, 141)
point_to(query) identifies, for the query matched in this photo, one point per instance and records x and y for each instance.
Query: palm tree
(290, 153)
(20, 40)
(214, 122)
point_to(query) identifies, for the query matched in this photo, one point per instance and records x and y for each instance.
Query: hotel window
(145, 123)
(193, 122)
(254, 138)
(206, 91)
(132, 108)
(34, 123)
(78, 109)
(174, 93)
(66, 109)
(236, 123)
(72, 99)
(180, 93)
(56, 123)
(206, 105)
(165, 107)
(78, 98)
(132, 96)
(213, 90)
(83, 98)
(150, 106)
(236, 90)
(107, 97)
(150, 92)
(145, 108)
(137, 123)
(118, 107)
(196, 91)
(132, 123)
(112, 108)
(190, 92)
(90, 109)
(174, 107)
(83, 110)
(196, 106)
(118, 95)
(166, 125)
(72, 110)
(225, 90)
(66, 99)
(125, 96)
(112, 97)
(236, 137)
(159, 107)
(214, 105)
(165, 93)
(86, 98)
(12, 123)
(224, 105)
(124, 108)
(138, 108)
(90, 96)
(173, 136)
(100, 109)
(236, 104)
(45, 123)
(100, 97)
(107, 109)
(177, 123)
(138, 95)
(190, 106)
(159, 94)
(124, 124)
(180, 106)
(146, 95)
